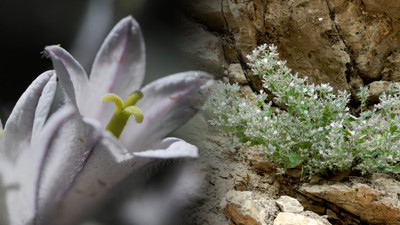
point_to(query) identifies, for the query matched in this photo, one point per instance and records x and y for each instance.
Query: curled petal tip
(51, 50)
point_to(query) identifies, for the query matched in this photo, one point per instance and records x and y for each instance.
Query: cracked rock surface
(345, 43)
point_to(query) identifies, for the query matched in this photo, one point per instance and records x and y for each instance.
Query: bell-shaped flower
(99, 146)
(18, 167)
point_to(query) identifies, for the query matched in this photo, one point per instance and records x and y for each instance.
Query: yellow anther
(123, 110)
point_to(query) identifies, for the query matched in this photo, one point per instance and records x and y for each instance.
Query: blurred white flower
(76, 162)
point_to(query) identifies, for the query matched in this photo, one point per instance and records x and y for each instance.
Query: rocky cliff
(345, 43)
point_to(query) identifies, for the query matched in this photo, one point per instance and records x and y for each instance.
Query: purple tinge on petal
(71, 74)
(21, 202)
(108, 165)
(168, 103)
(18, 128)
(44, 105)
(120, 63)
(71, 144)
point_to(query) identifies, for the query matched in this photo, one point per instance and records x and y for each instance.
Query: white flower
(25, 129)
(77, 162)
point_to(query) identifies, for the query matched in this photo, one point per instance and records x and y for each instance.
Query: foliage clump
(312, 128)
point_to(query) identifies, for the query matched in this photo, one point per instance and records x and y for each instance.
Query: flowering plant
(58, 169)
(304, 125)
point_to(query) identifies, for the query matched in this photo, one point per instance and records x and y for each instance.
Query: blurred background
(80, 26)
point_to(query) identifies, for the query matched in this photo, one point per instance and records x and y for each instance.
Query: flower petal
(71, 74)
(108, 165)
(167, 104)
(23, 178)
(43, 106)
(3, 205)
(170, 148)
(120, 63)
(18, 129)
(66, 154)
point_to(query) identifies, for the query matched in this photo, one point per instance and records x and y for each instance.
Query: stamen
(123, 110)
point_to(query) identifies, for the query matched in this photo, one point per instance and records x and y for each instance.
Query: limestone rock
(377, 203)
(207, 12)
(391, 71)
(389, 7)
(236, 74)
(286, 218)
(258, 162)
(247, 208)
(289, 204)
(376, 88)
(344, 43)
(202, 48)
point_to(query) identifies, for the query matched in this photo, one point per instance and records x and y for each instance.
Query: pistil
(123, 110)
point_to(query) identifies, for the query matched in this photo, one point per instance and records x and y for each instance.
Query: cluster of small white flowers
(312, 126)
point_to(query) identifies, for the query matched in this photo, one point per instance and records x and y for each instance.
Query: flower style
(86, 150)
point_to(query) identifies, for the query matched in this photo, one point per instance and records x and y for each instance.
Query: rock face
(345, 43)
(376, 203)
(245, 207)
(296, 219)
(254, 208)
(289, 204)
